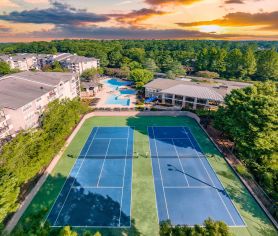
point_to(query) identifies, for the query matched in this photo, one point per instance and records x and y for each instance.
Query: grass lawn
(144, 213)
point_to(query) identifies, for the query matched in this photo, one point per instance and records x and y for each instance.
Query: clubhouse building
(200, 94)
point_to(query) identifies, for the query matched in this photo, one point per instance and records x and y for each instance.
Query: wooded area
(250, 120)
(231, 60)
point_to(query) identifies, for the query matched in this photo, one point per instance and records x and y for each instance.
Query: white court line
(103, 162)
(180, 163)
(95, 187)
(213, 183)
(123, 184)
(68, 177)
(187, 187)
(173, 138)
(221, 185)
(75, 176)
(110, 138)
(168, 217)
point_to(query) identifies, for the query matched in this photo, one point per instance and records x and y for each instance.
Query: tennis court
(97, 192)
(187, 188)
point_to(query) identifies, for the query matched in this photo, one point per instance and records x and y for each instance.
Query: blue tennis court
(97, 192)
(187, 188)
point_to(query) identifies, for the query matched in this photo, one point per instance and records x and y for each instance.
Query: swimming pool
(115, 83)
(115, 99)
(127, 91)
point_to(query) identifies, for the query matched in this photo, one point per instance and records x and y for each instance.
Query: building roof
(194, 91)
(19, 89)
(72, 58)
(221, 87)
(22, 56)
(61, 56)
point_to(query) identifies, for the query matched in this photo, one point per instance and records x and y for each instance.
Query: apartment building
(25, 95)
(202, 94)
(28, 61)
(74, 63)
(21, 61)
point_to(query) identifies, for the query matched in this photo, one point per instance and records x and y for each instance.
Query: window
(201, 101)
(169, 96)
(189, 99)
(178, 97)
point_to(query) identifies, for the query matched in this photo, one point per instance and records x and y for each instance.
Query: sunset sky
(32, 20)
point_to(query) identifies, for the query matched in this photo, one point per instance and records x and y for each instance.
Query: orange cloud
(264, 20)
(137, 16)
(172, 2)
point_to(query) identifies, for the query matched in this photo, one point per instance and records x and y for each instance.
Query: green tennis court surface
(144, 217)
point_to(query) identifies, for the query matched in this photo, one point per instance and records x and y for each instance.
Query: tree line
(210, 228)
(230, 60)
(249, 118)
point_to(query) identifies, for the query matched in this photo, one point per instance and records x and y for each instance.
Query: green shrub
(242, 170)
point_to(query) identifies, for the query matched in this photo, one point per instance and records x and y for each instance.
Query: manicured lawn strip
(144, 214)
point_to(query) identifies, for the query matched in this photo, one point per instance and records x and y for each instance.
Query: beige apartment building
(25, 95)
(76, 64)
(21, 61)
(29, 61)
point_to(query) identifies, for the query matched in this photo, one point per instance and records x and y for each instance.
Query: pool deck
(107, 91)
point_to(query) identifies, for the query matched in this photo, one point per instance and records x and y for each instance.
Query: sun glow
(210, 28)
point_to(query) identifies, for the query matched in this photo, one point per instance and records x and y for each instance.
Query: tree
(150, 65)
(234, 63)
(29, 152)
(115, 58)
(217, 59)
(211, 228)
(135, 65)
(66, 231)
(9, 191)
(89, 74)
(136, 54)
(165, 228)
(97, 234)
(170, 74)
(202, 60)
(177, 68)
(141, 77)
(4, 68)
(267, 65)
(249, 117)
(249, 63)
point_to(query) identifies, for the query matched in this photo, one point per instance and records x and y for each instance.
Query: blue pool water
(127, 91)
(113, 99)
(116, 83)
